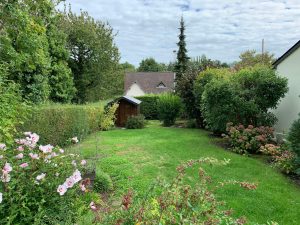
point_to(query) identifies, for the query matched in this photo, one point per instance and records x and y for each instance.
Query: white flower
(62, 189)
(1, 197)
(82, 187)
(56, 174)
(2, 146)
(20, 148)
(5, 178)
(61, 150)
(46, 148)
(75, 140)
(74, 163)
(19, 156)
(83, 162)
(1, 156)
(7, 168)
(41, 176)
(69, 183)
(93, 206)
(77, 176)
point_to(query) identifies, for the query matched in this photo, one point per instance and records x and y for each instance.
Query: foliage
(250, 58)
(294, 137)
(244, 98)
(13, 110)
(136, 122)
(94, 57)
(150, 65)
(127, 67)
(175, 202)
(249, 139)
(59, 123)
(148, 106)
(168, 106)
(39, 184)
(102, 182)
(182, 58)
(202, 63)
(108, 121)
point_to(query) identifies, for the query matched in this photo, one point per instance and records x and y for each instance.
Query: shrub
(58, 123)
(245, 98)
(169, 106)
(148, 106)
(108, 120)
(135, 122)
(175, 202)
(249, 139)
(39, 184)
(294, 137)
(13, 110)
(102, 182)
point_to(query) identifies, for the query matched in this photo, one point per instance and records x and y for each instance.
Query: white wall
(135, 91)
(289, 107)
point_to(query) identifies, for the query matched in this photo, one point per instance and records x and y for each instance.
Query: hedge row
(56, 124)
(148, 106)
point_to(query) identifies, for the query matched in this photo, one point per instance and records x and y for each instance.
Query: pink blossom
(83, 162)
(24, 165)
(93, 206)
(77, 176)
(20, 156)
(1, 197)
(61, 150)
(41, 176)
(34, 156)
(75, 140)
(69, 183)
(2, 146)
(46, 148)
(82, 187)
(7, 168)
(62, 189)
(20, 148)
(54, 154)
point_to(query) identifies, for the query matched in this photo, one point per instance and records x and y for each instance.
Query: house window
(161, 85)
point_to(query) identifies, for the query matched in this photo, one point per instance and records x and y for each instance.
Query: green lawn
(134, 158)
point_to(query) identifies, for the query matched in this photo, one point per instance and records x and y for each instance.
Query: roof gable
(287, 54)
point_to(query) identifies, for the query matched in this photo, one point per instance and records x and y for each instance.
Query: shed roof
(131, 99)
(287, 54)
(150, 82)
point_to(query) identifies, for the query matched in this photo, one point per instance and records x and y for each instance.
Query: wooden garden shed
(128, 106)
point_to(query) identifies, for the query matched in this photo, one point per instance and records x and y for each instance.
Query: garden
(203, 154)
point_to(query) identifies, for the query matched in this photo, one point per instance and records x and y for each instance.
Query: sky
(220, 29)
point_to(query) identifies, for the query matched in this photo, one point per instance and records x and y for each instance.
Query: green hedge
(56, 124)
(149, 106)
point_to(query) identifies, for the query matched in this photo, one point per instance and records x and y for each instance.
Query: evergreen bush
(169, 107)
(148, 106)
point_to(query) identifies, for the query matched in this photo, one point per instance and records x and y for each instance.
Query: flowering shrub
(39, 183)
(248, 139)
(173, 203)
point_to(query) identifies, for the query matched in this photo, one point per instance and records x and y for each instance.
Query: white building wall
(135, 91)
(289, 107)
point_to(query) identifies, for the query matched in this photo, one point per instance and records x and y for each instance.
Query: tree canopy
(251, 58)
(150, 65)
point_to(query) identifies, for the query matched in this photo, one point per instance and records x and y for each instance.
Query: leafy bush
(58, 123)
(102, 182)
(294, 137)
(108, 120)
(135, 122)
(13, 110)
(245, 98)
(249, 139)
(173, 203)
(169, 106)
(148, 106)
(39, 184)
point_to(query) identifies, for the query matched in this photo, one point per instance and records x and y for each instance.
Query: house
(288, 65)
(141, 83)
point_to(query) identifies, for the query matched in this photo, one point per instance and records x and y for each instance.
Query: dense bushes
(58, 123)
(148, 106)
(169, 106)
(135, 122)
(294, 137)
(244, 98)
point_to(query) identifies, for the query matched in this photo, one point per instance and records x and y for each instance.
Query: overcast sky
(220, 29)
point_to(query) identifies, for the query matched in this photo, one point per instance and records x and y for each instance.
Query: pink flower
(82, 187)
(61, 150)
(46, 148)
(34, 156)
(2, 146)
(62, 189)
(20, 156)
(24, 165)
(1, 197)
(69, 183)
(93, 206)
(7, 168)
(20, 148)
(54, 154)
(41, 176)
(5, 178)
(77, 176)
(83, 162)
(75, 140)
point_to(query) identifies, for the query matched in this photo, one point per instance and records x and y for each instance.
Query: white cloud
(217, 28)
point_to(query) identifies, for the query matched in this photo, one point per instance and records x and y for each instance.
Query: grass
(134, 158)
